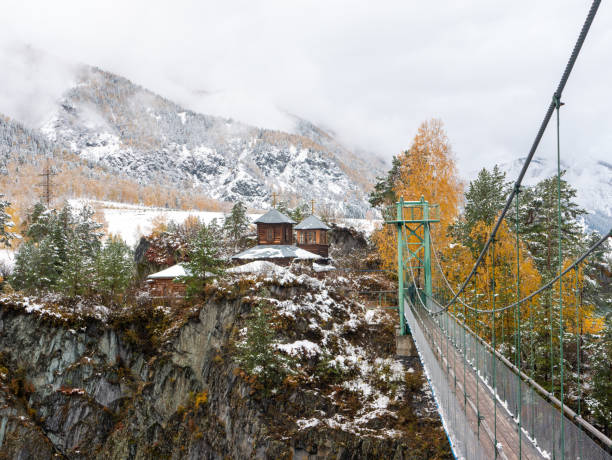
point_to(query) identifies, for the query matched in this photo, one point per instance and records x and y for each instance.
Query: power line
(46, 184)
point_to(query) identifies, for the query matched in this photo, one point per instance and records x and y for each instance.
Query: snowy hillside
(591, 178)
(108, 120)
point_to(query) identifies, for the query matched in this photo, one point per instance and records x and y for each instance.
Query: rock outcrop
(162, 382)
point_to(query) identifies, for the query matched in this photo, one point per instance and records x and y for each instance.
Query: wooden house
(274, 228)
(275, 242)
(163, 284)
(312, 236)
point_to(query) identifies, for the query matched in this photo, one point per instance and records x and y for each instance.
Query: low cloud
(369, 71)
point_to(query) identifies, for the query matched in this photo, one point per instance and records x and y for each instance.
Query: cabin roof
(173, 272)
(169, 273)
(312, 223)
(276, 251)
(274, 217)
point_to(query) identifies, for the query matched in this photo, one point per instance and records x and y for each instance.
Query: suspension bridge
(490, 404)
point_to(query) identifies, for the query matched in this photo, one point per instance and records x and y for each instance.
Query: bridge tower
(413, 220)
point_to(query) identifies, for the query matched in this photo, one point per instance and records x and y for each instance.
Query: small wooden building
(312, 236)
(163, 284)
(275, 242)
(274, 228)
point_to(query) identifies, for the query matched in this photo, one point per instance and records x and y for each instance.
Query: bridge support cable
(493, 340)
(578, 337)
(544, 287)
(549, 112)
(558, 104)
(517, 323)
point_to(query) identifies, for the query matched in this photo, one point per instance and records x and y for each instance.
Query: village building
(163, 284)
(312, 236)
(275, 242)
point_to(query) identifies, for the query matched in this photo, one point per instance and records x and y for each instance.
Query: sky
(370, 71)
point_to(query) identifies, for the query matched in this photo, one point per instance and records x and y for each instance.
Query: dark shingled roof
(312, 223)
(274, 217)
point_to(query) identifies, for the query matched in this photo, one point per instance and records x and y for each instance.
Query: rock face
(152, 386)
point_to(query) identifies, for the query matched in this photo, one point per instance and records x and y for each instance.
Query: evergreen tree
(5, 223)
(77, 269)
(300, 212)
(484, 199)
(204, 260)
(602, 379)
(37, 266)
(236, 223)
(383, 194)
(598, 271)
(539, 224)
(257, 354)
(282, 207)
(59, 251)
(114, 267)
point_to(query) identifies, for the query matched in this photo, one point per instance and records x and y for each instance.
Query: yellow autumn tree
(426, 170)
(500, 262)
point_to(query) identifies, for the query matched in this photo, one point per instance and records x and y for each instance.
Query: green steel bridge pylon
(413, 219)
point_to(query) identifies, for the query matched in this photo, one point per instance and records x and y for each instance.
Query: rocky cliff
(79, 380)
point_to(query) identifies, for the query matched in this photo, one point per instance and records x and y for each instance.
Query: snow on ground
(130, 222)
(258, 266)
(7, 258)
(366, 226)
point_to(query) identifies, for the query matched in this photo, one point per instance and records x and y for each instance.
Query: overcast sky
(370, 71)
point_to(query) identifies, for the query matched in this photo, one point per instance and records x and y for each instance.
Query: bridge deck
(507, 430)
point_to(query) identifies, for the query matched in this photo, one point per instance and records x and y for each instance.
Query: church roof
(276, 251)
(312, 223)
(274, 217)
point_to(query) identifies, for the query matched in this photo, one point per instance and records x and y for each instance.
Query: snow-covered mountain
(591, 178)
(108, 120)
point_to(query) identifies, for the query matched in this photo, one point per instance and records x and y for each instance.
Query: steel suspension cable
(558, 93)
(493, 339)
(576, 272)
(542, 288)
(517, 324)
(558, 105)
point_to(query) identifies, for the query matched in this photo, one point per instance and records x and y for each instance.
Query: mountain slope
(111, 121)
(590, 177)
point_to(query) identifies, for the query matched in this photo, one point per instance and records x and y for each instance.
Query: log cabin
(275, 242)
(312, 236)
(274, 228)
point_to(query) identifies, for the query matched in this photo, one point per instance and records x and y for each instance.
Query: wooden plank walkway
(507, 429)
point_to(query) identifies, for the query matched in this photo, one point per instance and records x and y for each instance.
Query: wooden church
(275, 241)
(312, 235)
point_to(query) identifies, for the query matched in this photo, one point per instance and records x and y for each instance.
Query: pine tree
(598, 271)
(383, 194)
(299, 212)
(59, 251)
(257, 354)
(77, 269)
(204, 261)
(114, 267)
(602, 379)
(236, 223)
(5, 224)
(484, 199)
(539, 224)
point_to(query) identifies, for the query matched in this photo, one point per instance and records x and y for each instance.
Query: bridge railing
(461, 430)
(539, 419)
